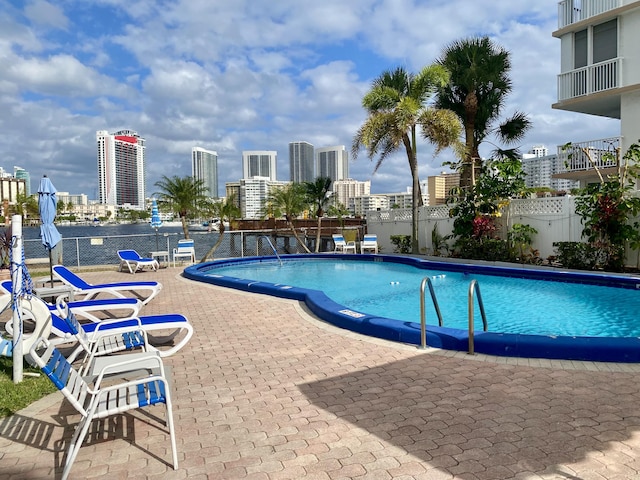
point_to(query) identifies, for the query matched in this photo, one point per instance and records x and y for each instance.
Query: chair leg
(75, 444)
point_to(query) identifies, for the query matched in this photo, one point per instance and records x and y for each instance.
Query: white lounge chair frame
(90, 291)
(96, 401)
(134, 262)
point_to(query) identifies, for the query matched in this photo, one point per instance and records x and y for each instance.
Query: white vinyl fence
(553, 217)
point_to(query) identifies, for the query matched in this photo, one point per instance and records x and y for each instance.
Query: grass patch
(14, 397)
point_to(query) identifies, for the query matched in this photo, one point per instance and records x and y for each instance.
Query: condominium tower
(259, 163)
(301, 162)
(332, 162)
(204, 166)
(121, 168)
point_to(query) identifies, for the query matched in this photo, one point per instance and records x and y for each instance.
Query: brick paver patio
(263, 391)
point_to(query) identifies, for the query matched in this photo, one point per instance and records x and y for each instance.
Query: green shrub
(491, 249)
(402, 243)
(589, 256)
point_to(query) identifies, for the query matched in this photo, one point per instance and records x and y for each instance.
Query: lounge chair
(167, 328)
(342, 246)
(185, 249)
(90, 291)
(125, 307)
(134, 262)
(369, 243)
(95, 401)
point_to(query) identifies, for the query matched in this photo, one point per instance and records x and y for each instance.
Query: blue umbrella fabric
(155, 215)
(155, 218)
(47, 203)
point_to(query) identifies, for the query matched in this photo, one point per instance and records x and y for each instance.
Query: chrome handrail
(272, 247)
(423, 315)
(474, 286)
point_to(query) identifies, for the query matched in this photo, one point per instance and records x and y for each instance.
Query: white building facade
(253, 193)
(599, 73)
(345, 190)
(259, 163)
(121, 168)
(204, 167)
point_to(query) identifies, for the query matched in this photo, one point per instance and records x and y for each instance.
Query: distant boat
(96, 222)
(199, 227)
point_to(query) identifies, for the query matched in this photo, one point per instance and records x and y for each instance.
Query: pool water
(512, 305)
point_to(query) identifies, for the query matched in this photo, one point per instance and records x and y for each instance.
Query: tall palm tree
(477, 91)
(288, 201)
(183, 196)
(226, 211)
(397, 105)
(318, 195)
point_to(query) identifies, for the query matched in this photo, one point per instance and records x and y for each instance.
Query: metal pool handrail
(272, 247)
(474, 286)
(423, 315)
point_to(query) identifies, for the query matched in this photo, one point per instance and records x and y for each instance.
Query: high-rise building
(21, 173)
(301, 162)
(259, 163)
(332, 162)
(545, 171)
(539, 151)
(204, 166)
(253, 193)
(121, 168)
(439, 187)
(345, 190)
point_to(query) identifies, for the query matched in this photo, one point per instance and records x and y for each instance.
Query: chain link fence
(98, 250)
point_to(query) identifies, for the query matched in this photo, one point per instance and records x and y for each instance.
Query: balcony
(573, 11)
(583, 161)
(590, 79)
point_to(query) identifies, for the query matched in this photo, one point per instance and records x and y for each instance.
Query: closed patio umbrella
(47, 206)
(155, 219)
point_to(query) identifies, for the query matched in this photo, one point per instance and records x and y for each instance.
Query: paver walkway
(265, 392)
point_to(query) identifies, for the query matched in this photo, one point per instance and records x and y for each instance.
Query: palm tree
(397, 105)
(288, 201)
(476, 92)
(183, 196)
(318, 194)
(226, 210)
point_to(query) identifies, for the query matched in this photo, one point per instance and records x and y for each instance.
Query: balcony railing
(572, 11)
(590, 155)
(590, 79)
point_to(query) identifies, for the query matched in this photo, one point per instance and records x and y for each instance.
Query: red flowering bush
(483, 226)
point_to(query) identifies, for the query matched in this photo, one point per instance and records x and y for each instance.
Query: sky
(234, 75)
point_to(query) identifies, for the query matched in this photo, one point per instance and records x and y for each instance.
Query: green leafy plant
(606, 210)
(438, 241)
(521, 237)
(402, 243)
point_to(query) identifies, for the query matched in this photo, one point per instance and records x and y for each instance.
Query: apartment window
(605, 41)
(580, 50)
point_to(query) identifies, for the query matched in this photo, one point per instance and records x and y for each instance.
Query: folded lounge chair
(134, 262)
(95, 401)
(90, 291)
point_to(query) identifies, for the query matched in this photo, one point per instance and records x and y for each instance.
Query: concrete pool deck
(264, 391)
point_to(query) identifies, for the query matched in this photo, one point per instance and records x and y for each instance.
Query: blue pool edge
(597, 349)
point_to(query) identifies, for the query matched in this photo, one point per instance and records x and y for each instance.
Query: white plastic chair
(341, 245)
(93, 401)
(369, 243)
(185, 249)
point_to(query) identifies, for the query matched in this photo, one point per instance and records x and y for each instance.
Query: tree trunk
(213, 249)
(469, 171)
(318, 233)
(416, 195)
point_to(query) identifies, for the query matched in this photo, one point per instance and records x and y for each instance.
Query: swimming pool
(530, 312)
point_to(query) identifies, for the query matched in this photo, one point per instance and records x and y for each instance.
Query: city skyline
(296, 70)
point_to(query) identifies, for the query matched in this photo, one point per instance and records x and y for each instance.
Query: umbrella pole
(51, 268)
(157, 248)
